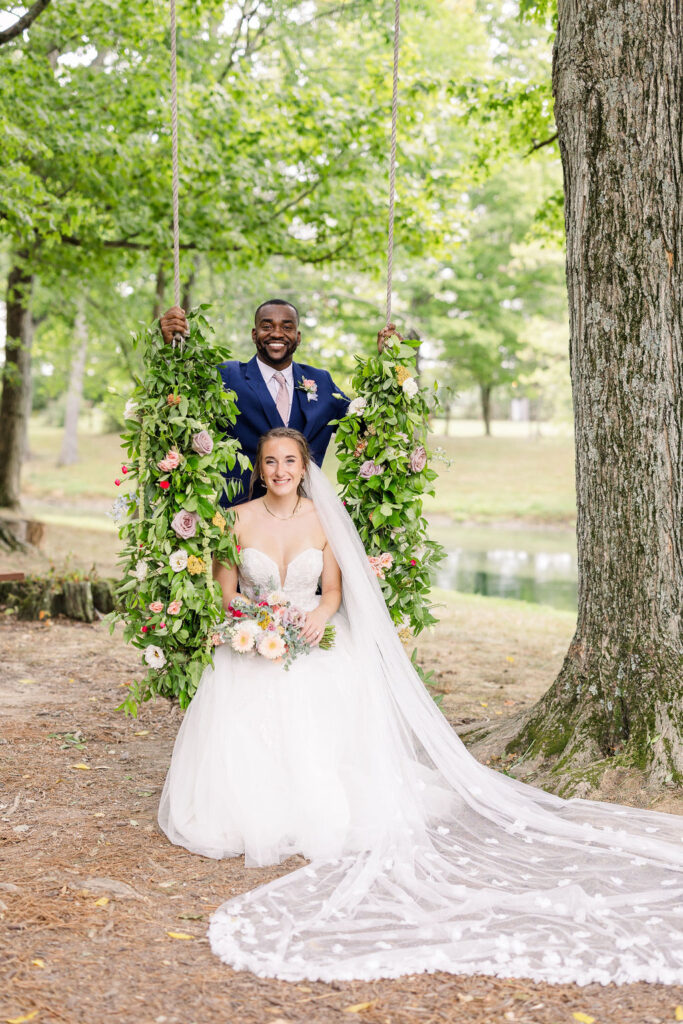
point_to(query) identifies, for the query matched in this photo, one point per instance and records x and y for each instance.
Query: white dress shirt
(268, 374)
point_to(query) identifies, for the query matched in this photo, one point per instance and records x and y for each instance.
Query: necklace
(276, 516)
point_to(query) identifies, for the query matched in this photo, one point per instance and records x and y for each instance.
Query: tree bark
(485, 394)
(618, 81)
(69, 453)
(16, 382)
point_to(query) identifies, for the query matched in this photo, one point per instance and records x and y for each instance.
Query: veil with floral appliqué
(503, 879)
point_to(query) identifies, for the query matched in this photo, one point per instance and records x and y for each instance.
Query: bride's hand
(314, 626)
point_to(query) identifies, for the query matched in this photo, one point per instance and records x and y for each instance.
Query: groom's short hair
(276, 302)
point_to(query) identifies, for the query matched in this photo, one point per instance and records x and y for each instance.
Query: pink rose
(418, 459)
(386, 560)
(376, 566)
(369, 469)
(174, 607)
(170, 462)
(202, 442)
(156, 606)
(216, 639)
(184, 524)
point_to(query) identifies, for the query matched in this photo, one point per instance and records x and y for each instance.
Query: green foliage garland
(180, 403)
(384, 472)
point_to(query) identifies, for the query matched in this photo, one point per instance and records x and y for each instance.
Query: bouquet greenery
(173, 524)
(385, 473)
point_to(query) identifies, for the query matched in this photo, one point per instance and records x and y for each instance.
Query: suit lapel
(300, 399)
(254, 378)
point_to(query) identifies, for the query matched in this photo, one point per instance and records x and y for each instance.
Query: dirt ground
(103, 920)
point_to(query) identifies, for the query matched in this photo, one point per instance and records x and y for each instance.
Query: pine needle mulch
(103, 921)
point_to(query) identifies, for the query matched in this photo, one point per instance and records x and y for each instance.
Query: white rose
(155, 657)
(178, 560)
(356, 406)
(410, 387)
(130, 411)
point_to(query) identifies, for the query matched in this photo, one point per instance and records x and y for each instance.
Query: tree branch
(24, 21)
(539, 145)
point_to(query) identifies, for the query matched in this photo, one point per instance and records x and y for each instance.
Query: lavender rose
(368, 469)
(418, 459)
(184, 524)
(202, 442)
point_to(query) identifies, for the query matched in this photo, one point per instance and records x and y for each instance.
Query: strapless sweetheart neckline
(283, 584)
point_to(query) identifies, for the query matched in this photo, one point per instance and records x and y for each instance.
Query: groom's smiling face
(276, 334)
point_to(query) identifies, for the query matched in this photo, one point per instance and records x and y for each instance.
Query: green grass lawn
(505, 478)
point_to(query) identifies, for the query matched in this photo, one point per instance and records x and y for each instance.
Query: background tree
(617, 700)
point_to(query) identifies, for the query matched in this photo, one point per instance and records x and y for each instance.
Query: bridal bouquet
(269, 626)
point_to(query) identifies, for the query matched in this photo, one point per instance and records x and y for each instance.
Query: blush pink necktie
(282, 398)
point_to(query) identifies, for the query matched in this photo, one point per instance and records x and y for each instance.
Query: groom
(272, 390)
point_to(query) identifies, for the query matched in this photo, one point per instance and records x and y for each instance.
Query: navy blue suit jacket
(258, 412)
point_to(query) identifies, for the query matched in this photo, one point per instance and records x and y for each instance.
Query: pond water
(536, 565)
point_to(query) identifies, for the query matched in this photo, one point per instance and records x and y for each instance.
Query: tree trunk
(618, 81)
(69, 454)
(485, 392)
(16, 383)
(158, 307)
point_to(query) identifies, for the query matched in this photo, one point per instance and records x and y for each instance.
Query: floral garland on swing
(173, 524)
(385, 474)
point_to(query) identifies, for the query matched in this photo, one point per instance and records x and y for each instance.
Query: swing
(174, 525)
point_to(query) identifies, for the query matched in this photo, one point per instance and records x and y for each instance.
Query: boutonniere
(310, 389)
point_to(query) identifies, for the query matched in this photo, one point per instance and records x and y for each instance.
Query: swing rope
(174, 136)
(392, 165)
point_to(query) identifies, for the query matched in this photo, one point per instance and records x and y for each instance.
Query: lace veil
(481, 873)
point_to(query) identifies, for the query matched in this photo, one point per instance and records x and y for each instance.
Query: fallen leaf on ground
(102, 901)
(180, 935)
(483, 704)
(83, 767)
(583, 1018)
(143, 732)
(679, 1013)
(359, 1007)
(38, 963)
(20, 1020)
(27, 681)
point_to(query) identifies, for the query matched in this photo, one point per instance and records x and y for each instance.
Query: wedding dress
(421, 859)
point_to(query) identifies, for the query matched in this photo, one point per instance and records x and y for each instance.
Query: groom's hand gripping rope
(384, 335)
(173, 324)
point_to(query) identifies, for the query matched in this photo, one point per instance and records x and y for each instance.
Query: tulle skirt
(269, 762)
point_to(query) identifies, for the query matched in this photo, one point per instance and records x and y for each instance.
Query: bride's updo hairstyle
(280, 432)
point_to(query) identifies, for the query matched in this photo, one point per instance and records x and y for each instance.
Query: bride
(421, 859)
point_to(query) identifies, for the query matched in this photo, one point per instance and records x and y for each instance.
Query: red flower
(124, 469)
(238, 549)
(413, 562)
(162, 625)
(164, 484)
(118, 484)
(233, 611)
(143, 629)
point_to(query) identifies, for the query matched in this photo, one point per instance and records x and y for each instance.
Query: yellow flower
(264, 620)
(195, 565)
(402, 374)
(405, 634)
(219, 521)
